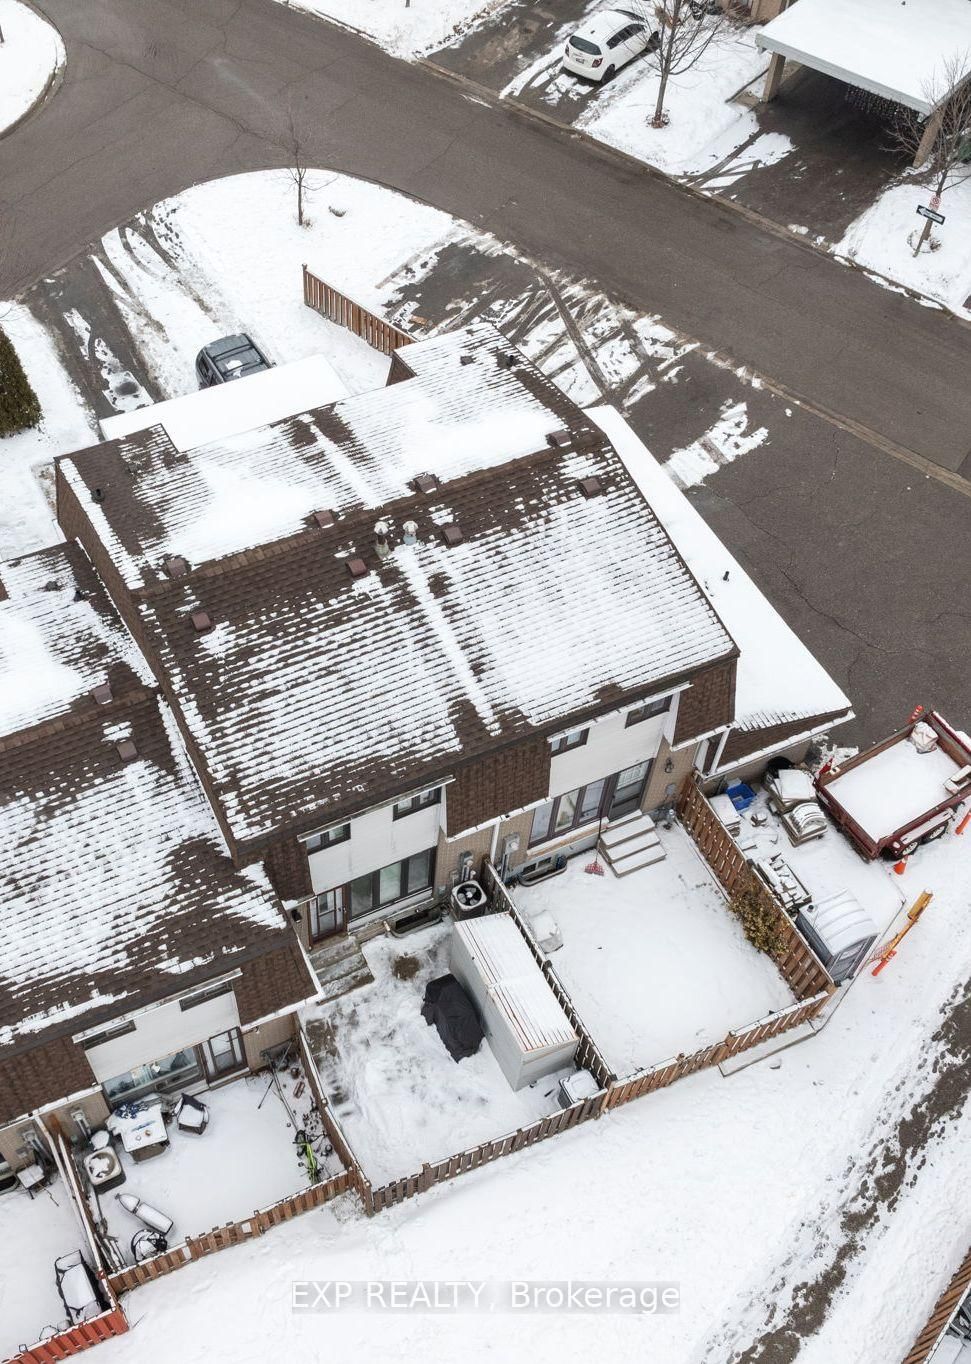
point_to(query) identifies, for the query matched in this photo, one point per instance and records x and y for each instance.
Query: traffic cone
(901, 866)
(916, 713)
(964, 823)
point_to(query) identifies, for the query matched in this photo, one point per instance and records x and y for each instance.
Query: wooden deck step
(340, 966)
(636, 859)
(624, 830)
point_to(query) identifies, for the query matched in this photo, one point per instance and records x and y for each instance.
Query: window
(397, 881)
(327, 913)
(645, 712)
(170, 1073)
(584, 45)
(203, 996)
(569, 811)
(339, 834)
(106, 1035)
(616, 39)
(575, 739)
(419, 802)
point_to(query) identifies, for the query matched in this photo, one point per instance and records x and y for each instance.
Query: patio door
(628, 790)
(328, 914)
(222, 1054)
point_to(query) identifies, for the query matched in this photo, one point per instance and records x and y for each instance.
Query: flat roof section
(899, 51)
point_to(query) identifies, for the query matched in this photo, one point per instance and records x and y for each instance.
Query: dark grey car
(231, 357)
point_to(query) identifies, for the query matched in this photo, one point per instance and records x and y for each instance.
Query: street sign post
(926, 212)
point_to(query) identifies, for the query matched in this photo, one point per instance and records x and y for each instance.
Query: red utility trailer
(900, 793)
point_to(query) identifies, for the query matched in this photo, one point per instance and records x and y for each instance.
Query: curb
(633, 163)
(53, 82)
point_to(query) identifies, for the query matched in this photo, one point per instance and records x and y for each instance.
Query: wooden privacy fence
(331, 1126)
(588, 1056)
(75, 1339)
(798, 965)
(439, 1171)
(741, 1039)
(231, 1234)
(337, 307)
(941, 1315)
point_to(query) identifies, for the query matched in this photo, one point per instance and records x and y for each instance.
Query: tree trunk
(666, 56)
(299, 200)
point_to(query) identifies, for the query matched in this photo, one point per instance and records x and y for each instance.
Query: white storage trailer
(528, 1031)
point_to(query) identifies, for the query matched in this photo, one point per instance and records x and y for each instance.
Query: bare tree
(297, 165)
(687, 29)
(940, 143)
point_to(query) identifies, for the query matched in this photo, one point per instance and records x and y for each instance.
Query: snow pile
(883, 239)
(405, 27)
(29, 55)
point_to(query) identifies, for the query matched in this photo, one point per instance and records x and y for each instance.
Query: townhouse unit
(134, 956)
(415, 627)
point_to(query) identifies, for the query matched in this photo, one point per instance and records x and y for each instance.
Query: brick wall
(506, 780)
(42, 1075)
(287, 866)
(267, 1035)
(707, 703)
(741, 743)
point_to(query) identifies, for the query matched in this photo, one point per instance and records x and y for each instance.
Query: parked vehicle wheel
(935, 834)
(609, 74)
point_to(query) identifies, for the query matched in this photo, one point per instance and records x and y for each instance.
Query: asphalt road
(159, 96)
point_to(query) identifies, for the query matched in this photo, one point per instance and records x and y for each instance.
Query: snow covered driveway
(30, 53)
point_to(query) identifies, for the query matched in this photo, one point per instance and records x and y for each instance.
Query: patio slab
(33, 1233)
(397, 1093)
(654, 961)
(244, 1161)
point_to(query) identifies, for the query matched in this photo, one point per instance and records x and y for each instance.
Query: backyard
(34, 1232)
(245, 1160)
(398, 1095)
(654, 961)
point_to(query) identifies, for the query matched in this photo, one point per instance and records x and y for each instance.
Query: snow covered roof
(214, 414)
(115, 882)
(897, 50)
(778, 680)
(59, 639)
(316, 692)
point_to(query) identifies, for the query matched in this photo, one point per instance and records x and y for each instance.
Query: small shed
(840, 932)
(528, 1031)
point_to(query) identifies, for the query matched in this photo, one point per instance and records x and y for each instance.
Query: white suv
(608, 40)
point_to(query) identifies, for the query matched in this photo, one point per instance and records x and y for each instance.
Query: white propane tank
(145, 1213)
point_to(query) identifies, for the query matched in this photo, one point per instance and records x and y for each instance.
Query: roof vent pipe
(382, 543)
(409, 530)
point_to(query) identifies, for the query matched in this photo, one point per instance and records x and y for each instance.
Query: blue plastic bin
(740, 795)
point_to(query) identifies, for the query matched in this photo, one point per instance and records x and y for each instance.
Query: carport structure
(903, 52)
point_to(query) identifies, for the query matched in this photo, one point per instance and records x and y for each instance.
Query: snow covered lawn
(654, 961)
(405, 27)
(884, 237)
(29, 55)
(245, 1160)
(397, 1093)
(33, 1234)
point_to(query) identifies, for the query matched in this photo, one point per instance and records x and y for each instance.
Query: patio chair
(76, 1286)
(193, 1115)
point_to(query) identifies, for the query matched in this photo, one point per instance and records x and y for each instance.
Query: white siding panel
(161, 1031)
(610, 747)
(376, 840)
